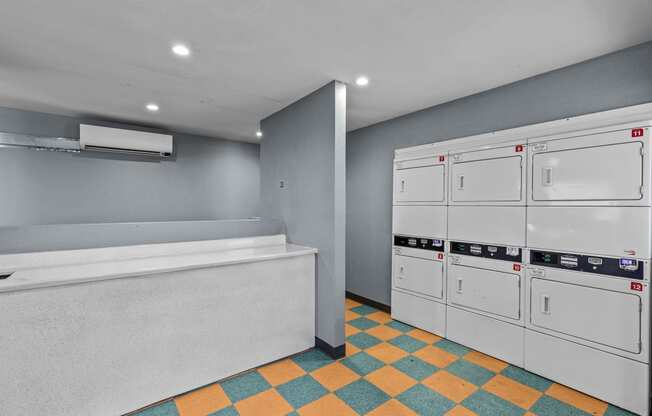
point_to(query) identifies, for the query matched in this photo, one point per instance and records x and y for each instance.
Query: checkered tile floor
(390, 369)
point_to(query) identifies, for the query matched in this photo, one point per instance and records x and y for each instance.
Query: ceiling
(251, 58)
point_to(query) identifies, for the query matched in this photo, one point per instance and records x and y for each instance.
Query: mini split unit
(97, 139)
(108, 139)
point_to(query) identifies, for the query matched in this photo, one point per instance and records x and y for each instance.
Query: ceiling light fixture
(180, 49)
(153, 107)
(259, 134)
(362, 81)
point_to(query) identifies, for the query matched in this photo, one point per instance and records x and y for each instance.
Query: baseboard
(366, 301)
(334, 352)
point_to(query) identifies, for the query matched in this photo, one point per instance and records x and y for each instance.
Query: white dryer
(590, 192)
(486, 299)
(487, 194)
(587, 324)
(420, 194)
(418, 284)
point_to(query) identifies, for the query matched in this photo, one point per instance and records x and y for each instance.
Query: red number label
(638, 132)
(516, 267)
(441, 158)
(519, 148)
(440, 256)
(636, 286)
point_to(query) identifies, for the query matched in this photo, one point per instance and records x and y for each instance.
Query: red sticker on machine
(518, 148)
(440, 256)
(636, 286)
(516, 267)
(441, 158)
(638, 132)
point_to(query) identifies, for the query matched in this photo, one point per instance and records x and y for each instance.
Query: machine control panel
(619, 267)
(513, 254)
(419, 242)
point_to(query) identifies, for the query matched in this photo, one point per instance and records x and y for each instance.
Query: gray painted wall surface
(78, 236)
(210, 179)
(616, 80)
(304, 145)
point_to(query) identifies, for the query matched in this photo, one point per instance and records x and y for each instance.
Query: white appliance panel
(610, 231)
(614, 379)
(418, 275)
(420, 220)
(606, 317)
(491, 336)
(494, 292)
(419, 312)
(502, 225)
(592, 168)
(489, 180)
(424, 184)
(609, 172)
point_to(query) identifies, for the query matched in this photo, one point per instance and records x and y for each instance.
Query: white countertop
(31, 278)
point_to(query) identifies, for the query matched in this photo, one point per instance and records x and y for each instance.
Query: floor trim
(334, 352)
(367, 301)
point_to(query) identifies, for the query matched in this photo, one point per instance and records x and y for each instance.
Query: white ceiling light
(153, 107)
(259, 134)
(362, 81)
(180, 49)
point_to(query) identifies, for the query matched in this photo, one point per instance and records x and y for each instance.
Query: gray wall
(210, 179)
(305, 146)
(617, 80)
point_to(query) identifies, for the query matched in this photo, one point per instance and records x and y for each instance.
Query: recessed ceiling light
(153, 107)
(259, 134)
(180, 49)
(362, 81)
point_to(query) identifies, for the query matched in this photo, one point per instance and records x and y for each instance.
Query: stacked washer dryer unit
(486, 233)
(419, 231)
(588, 306)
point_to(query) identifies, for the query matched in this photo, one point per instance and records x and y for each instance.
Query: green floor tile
(527, 378)
(245, 385)
(362, 363)
(363, 340)
(164, 409)
(363, 323)
(453, 347)
(301, 391)
(486, 404)
(414, 367)
(470, 372)
(407, 343)
(425, 401)
(312, 360)
(549, 406)
(362, 396)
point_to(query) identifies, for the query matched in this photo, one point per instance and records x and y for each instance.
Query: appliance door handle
(401, 272)
(402, 185)
(545, 304)
(459, 285)
(460, 182)
(546, 176)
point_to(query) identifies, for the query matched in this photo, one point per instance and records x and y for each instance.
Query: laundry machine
(419, 228)
(486, 298)
(590, 192)
(418, 284)
(587, 320)
(488, 194)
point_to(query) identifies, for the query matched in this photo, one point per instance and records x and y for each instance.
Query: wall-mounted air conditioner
(109, 139)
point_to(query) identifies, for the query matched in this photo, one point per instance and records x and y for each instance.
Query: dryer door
(422, 184)
(418, 275)
(602, 316)
(611, 172)
(485, 290)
